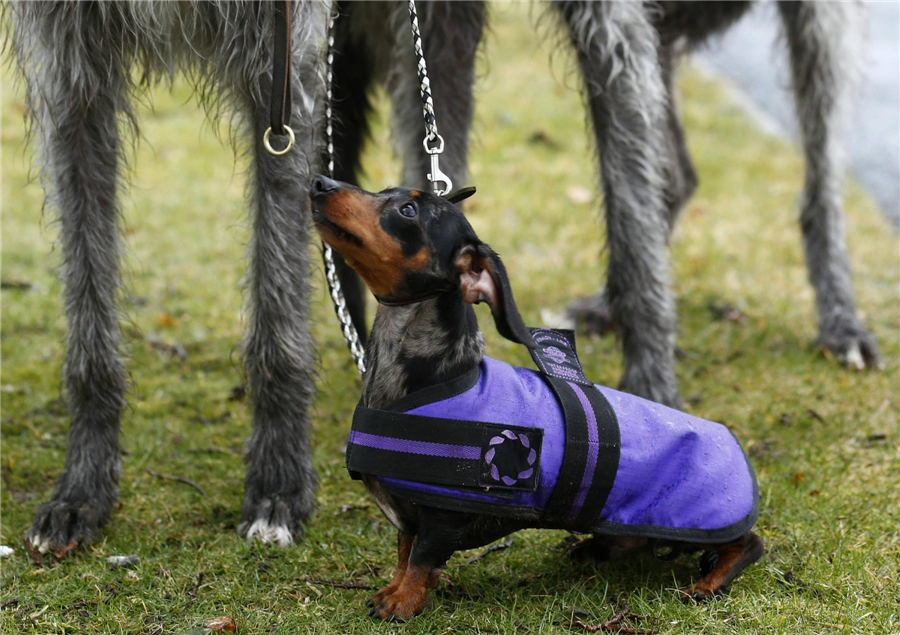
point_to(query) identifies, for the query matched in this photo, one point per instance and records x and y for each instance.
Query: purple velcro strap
(415, 447)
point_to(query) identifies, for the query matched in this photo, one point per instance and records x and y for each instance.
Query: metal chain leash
(331, 276)
(433, 142)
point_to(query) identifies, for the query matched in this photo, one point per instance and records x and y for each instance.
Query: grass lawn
(824, 441)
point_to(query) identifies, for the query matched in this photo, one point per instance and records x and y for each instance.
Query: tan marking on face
(418, 260)
(379, 260)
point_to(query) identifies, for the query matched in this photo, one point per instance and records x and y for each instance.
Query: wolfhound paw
(60, 525)
(275, 519)
(853, 347)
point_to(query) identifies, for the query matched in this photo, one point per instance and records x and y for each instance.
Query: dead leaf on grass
(223, 624)
(815, 415)
(59, 553)
(34, 553)
(173, 350)
(542, 137)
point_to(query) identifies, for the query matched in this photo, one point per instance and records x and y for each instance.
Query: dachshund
(459, 449)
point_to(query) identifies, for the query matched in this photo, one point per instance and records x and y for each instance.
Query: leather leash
(281, 101)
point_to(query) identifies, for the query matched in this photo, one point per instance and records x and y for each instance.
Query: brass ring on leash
(273, 151)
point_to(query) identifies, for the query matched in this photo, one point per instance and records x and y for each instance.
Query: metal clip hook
(437, 177)
(439, 181)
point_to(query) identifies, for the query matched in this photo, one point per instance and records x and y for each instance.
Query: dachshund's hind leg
(721, 564)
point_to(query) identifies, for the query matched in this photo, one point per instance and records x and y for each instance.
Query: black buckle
(510, 457)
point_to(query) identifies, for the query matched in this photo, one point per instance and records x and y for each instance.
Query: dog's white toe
(40, 544)
(264, 532)
(855, 358)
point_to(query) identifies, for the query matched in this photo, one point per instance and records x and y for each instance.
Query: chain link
(433, 142)
(431, 130)
(331, 276)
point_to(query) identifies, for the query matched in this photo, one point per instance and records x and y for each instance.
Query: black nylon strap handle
(281, 104)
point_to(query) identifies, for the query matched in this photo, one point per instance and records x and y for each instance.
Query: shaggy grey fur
(414, 331)
(627, 53)
(616, 45)
(83, 63)
(373, 43)
(823, 40)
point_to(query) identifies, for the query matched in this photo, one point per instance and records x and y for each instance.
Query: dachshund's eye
(408, 210)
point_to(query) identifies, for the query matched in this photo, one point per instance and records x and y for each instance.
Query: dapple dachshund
(459, 449)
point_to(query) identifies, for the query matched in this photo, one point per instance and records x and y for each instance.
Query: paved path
(751, 57)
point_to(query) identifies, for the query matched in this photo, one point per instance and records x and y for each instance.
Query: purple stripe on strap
(593, 449)
(415, 447)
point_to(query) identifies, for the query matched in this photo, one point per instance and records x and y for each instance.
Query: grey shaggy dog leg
(681, 177)
(593, 313)
(824, 43)
(75, 93)
(451, 33)
(617, 52)
(77, 59)
(278, 349)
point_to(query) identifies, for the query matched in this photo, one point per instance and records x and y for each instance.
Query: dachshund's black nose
(322, 185)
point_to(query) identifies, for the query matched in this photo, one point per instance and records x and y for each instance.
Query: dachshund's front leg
(421, 559)
(417, 571)
(404, 546)
(408, 599)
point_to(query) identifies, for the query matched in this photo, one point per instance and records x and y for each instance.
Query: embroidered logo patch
(510, 457)
(555, 355)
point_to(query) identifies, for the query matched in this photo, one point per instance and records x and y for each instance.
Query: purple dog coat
(495, 441)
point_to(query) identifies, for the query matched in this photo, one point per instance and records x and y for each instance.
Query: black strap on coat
(281, 105)
(444, 451)
(592, 434)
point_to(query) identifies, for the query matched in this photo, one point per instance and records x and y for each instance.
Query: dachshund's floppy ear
(482, 278)
(460, 195)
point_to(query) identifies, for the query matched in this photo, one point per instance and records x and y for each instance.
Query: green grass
(829, 488)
